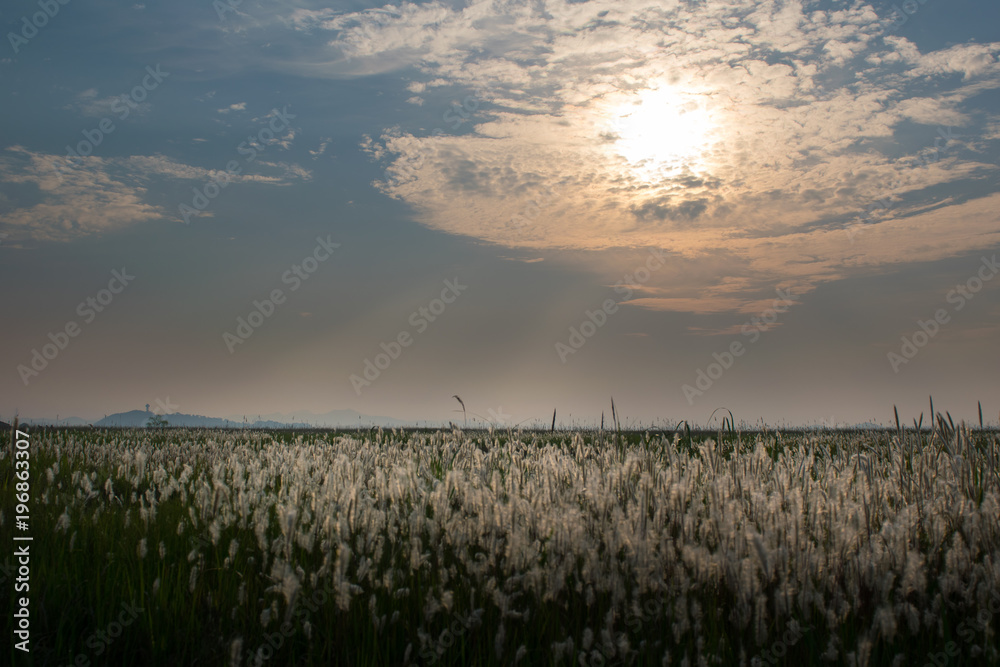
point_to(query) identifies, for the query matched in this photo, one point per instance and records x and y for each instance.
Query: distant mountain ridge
(140, 418)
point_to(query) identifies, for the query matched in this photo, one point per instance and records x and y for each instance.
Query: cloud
(813, 117)
(90, 105)
(932, 111)
(992, 130)
(689, 305)
(102, 195)
(804, 109)
(324, 143)
(240, 106)
(80, 203)
(970, 60)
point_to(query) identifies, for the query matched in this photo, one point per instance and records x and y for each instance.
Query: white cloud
(90, 105)
(240, 106)
(992, 130)
(932, 111)
(80, 203)
(805, 107)
(812, 120)
(103, 195)
(971, 60)
(322, 148)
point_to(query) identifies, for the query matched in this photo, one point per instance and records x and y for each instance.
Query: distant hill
(139, 418)
(299, 420)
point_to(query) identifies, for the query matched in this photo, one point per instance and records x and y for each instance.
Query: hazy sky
(788, 209)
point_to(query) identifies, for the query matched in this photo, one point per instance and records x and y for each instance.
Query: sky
(790, 210)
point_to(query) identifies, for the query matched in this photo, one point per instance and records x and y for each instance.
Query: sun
(660, 130)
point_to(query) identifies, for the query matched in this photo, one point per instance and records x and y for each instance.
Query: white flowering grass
(513, 548)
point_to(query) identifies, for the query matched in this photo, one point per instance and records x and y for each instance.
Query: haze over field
(789, 209)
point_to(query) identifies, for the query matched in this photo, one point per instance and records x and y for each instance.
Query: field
(185, 547)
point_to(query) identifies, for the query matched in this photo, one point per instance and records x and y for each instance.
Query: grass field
(185, 547)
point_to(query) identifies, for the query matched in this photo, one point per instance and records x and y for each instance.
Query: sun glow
(661, 130)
